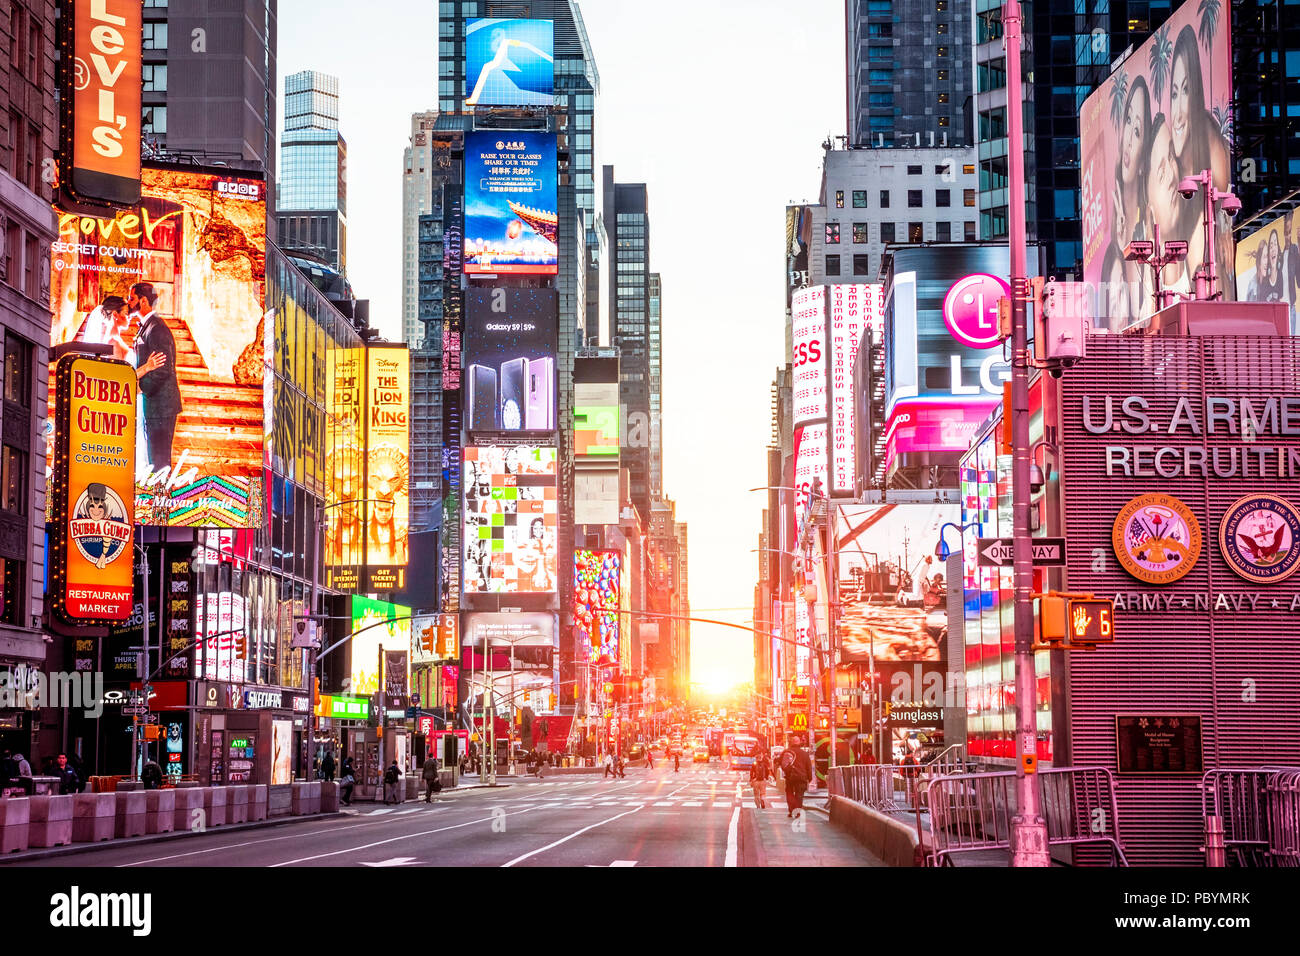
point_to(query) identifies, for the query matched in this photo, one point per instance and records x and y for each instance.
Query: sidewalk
(769, 837)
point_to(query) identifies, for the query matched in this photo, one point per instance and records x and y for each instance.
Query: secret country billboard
(511, 225)
(176, 288)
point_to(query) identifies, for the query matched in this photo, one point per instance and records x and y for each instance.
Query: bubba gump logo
(98, 526)
(1156, 538)
(1259, 538)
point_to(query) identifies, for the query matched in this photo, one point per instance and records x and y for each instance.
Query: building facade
(311, 191)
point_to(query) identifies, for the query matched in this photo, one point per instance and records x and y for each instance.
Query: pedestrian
(759, 774)
(8, 769)
(431, 782)
(150, 773)
(392, 779)
(24, 768)
(797, 768)
(649, 758)
(68, 780)
(677, 761)
(609, 767)
(619, 766)
(327, 766)
(347, 781)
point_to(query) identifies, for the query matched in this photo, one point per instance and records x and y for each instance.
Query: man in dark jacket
(68, 780)
(431, 782)
(155, 352)
(327, 766)
(347, 780)
(798, 770)
(151, 775)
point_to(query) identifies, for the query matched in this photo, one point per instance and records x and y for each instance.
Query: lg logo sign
(970, 309)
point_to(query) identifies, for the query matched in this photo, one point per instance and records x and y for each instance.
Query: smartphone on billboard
(482, 398)
(514, 375)
(541, 394)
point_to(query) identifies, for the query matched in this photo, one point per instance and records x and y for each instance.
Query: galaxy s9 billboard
(511, 227)
(509, 347)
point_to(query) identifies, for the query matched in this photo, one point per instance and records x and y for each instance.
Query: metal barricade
(972, 812)
(1283, 790)
(1247, 820)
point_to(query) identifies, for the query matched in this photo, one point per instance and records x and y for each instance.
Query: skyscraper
(417, 196)
(311, 202)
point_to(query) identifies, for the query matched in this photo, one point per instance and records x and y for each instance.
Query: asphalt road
(652, 818)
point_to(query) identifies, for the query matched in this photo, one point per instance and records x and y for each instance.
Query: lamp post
(1028, 838)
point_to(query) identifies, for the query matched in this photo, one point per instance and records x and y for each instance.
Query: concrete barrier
(51, 820)
(130, 812)
(329, 796)
(188, 800)
(215, 801)
(257, 802)
(280, 800)
(300, 802)
(237, 803)
(94, 816)
(892, 840)
(160, 811)
(313, 790)
(15, 824)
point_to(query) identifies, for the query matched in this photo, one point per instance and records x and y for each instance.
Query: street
(701, 816)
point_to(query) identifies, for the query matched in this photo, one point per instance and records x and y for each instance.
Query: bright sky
(720, 107)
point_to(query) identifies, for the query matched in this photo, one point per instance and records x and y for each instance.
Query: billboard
(345, 468)
(511, 226)
(371, 635)
(943, 369)
(512, 652)
(93, 532)
(597, 578)
(510, 62)
(388, 442)
(511, 517)
(510, 359)
(596, 421)
(1268, 264)
(892, 592)
(197, 245)
(808, 330)
(852, 311)
(798, 240)
(101, 56)
(1165, 113)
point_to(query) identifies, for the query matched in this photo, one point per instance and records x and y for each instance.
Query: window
(860, 232)
(968, 197)
(914, 200)
(13, 252)
(14, 572)
(915, 232)
(17, 371)
(880, 29)
(859, 199)
(941, 51)
(943, 197)
(13, 480)
(884, 199)
(880, 76)
(31, 268)
(943, 97)
(968, 169)
(862, 265)
(155, 78)
(155, 119)
(943, 231)
(941, 28)
(880, 99)
(832, 265)
(943, 121)
(941, 5)
(155, 36)
(943, 75)
(839, 199)
(969, 230)
(832, 233)
(886, 232)
(914, 170)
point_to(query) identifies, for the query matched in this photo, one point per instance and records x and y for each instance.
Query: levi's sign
(999, 552)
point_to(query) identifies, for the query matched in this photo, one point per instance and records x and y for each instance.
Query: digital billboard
(808, 330)
(1164, 113)
(510, 350)
(511, 226)
(852, 311)
(93, 532)
(101, 63)
(388, 441)
(511, 517)
(892, 592)
(597, 577)
(944, 368)
(809, 462)
(595, 421)
(345, 467)
(510, 62)
(371, 635)
(176, 288)
(1268, 264)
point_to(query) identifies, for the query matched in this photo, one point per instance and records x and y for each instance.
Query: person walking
(619, 766)
(431, 782)
(759, 774)
(392, 780)
(797, 768)
(327, 766)
(677, 761)
(609, 767)
(347, 780)
(649, 758)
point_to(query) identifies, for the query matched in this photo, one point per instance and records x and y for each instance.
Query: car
(701, 755)
(636, 751)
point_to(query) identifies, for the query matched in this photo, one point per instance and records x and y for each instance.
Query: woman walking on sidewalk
(759, 774)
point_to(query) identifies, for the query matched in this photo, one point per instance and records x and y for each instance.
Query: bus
(741, 752)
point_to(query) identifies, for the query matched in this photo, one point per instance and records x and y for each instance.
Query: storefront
(250, 733)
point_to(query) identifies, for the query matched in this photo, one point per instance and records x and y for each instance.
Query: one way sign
(998, 552)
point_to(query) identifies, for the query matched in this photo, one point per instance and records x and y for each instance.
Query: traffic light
(428, 637)
(1090, 621)
(315, 693)
(554, 700)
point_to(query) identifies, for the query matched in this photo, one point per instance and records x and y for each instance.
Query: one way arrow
(395, 861)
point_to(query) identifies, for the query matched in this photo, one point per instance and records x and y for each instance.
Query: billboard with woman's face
(1268, 264)
(1164, 114)
(511, 518)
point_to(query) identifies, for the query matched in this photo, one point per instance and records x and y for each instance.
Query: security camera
(1069, 361)
(1189, 187)
(1231, 205)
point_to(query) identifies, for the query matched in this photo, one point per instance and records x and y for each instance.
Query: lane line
(549, 846)
(733, 830)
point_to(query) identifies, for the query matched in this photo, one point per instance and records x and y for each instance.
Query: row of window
(915, 200)
(915, 232)
(24, 259)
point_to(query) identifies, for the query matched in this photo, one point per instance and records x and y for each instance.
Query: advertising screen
(93, 532)
(1165, 113)
(852, 311)
(510, 203)
(809, 462)
(892, 589)
(371, 635)
(197, 245)
(1268, 264)
(388, 442)
(345, 467)
(510, 348)
(595, 421)
(944, 366)
(808, 316)
(597, 588)
(511, 517)
(510, 62)
(281, 752)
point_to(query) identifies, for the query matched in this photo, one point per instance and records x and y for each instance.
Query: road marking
(549, 846)
(624, 863)
(732, 843)
(664, 803)
(723, 803)
(395, 861)
(692, 803)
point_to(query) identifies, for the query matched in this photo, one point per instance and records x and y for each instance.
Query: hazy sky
(720, 107)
